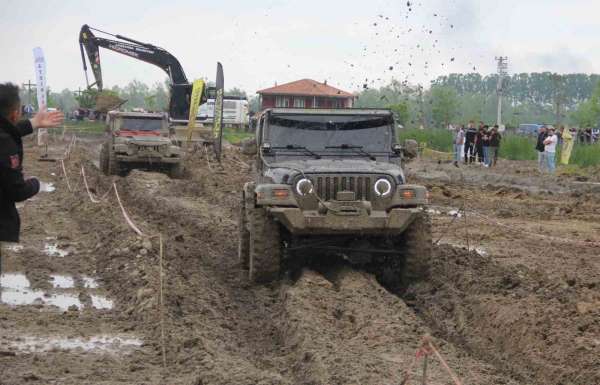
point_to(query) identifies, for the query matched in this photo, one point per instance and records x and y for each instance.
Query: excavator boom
(180, 87)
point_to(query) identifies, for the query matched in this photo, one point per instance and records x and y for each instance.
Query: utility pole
(29, 85)
(502, 67)
(421, 107)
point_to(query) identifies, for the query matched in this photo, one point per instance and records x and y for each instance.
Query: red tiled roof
(306, 87)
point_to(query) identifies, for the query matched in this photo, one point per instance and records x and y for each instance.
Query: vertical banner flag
(40, 79)
(197, 92)
(218, 119)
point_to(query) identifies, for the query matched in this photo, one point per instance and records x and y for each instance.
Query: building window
(299, 102)
(336, 103)
(281, 101)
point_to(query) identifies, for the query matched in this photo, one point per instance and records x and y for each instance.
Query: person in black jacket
(540, 147)
(470, 143)
(13, 186)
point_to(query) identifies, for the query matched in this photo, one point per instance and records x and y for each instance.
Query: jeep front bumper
(376, 222)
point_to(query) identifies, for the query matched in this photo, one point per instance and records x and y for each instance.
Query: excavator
(180, 87)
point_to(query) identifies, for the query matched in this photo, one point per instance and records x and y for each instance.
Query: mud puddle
(94, 344)
(16, 291)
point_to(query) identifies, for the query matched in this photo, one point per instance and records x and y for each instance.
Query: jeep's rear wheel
(243, 236)
(265, 246)
(417, 249)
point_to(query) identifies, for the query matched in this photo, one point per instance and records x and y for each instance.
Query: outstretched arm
(47, 119)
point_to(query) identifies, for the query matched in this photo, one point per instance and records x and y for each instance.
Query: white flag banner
(40, 79)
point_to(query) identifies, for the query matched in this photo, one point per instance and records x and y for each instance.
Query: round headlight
(383, 187)
(304, 187)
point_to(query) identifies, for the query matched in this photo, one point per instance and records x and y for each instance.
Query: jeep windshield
(332, 134)
(140, 124)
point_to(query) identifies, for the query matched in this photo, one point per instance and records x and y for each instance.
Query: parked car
(528, 129)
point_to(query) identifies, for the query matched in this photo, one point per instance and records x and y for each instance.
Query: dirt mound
(543, 331)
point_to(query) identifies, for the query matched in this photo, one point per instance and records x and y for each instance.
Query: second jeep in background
(139, 140)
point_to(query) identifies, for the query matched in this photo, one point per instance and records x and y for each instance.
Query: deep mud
(524, 312)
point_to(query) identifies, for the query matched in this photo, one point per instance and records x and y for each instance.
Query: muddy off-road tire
(417, 250)
(176, 171)
(265, 246)
(243, 236)
(108, 162)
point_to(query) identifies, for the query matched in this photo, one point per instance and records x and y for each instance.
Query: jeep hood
(278, 170)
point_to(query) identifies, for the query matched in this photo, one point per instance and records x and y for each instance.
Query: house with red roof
(305, 93)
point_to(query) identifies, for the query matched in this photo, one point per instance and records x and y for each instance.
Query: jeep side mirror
(397, 148)
(266, 147)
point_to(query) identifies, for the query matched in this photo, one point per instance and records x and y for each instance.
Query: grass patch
(84, 126)
(586, 155)
(517, 147)
(436, 139)
(234, 136)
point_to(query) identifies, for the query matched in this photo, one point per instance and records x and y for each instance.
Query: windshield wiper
(357, 149)
(296, 147)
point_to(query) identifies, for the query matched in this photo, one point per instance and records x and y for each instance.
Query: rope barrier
(162, 302)
(62, 163)
(521, 231)
(87, 187)
(444, 364)
(127, 219)
(424, 351)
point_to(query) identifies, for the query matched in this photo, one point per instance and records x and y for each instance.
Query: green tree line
(457, 98)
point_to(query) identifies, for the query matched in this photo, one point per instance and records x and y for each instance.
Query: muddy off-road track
(521, 307)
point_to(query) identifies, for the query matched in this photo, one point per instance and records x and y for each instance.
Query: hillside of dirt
(513, 295)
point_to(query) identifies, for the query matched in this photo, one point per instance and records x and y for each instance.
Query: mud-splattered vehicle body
(330, 182)
(139, 140)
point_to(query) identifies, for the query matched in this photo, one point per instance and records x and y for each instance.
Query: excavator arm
(181, 89)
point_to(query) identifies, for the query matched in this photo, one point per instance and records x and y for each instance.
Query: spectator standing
(470, 135)
(588, 136)
(550, 150)
(479, 145)
(459, 141)
(542, 134)
(486, 146)
(567, 146)
(494, 146)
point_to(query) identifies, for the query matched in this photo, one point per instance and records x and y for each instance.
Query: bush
(517, 147)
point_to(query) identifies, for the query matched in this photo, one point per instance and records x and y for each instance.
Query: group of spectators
(586, 135)
(477, 145)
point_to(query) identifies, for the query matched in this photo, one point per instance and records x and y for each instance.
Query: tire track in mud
(224, 330)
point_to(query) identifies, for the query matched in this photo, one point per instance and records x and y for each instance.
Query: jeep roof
(140, 115)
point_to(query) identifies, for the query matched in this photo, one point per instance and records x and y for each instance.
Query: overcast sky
(347, 42)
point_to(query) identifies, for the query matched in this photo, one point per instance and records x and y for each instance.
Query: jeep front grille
(159, 148)
(327, 186)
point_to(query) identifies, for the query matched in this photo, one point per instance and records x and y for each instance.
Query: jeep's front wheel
(418, 248)
(265, 246)
(108, 160)
(104, 158)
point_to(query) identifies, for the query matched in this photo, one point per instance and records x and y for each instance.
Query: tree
(444, 105)
(87, 99)
(401, 112)
(588, 112)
